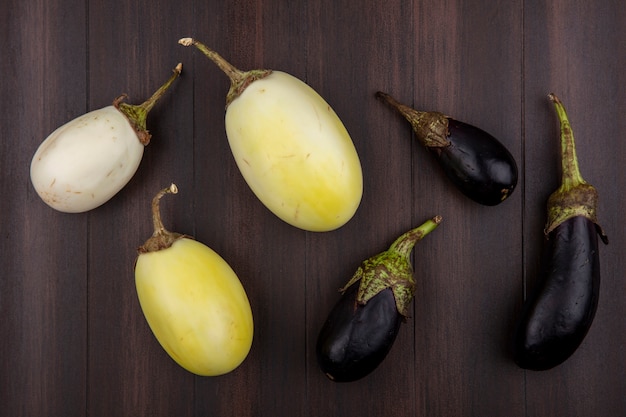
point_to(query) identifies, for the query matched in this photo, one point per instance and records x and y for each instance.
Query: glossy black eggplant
(558, 314)
(478, 164)
(361, 328)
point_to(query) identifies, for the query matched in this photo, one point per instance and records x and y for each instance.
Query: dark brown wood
(467, 64)
(122, 347)
(73, 339)
(43, 287)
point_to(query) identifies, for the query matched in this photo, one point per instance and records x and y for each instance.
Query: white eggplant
(85, 162)
(291, 148)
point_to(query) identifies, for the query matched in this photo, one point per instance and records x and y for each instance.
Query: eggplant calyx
(392, 269)
(574, 197)
(581, 200)
(137, 114)
(161, 238)
(239, 80)
(431, 128)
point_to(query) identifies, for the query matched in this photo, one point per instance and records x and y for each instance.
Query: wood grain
(73, 339)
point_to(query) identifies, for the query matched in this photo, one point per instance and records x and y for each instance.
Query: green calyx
(161, 237)
(239, 80)
(575, 197)
(138, 114)
(392, 269)
(431, 128)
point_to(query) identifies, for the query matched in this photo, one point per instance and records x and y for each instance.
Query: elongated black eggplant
(478, 164)
(362, 326)
(559, 312)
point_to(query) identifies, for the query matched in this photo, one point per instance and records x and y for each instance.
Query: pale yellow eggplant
(292, 149)
(193, 301)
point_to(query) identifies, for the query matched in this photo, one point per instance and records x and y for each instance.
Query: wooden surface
(73, 339)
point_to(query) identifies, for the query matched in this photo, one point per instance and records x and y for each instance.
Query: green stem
(138, 114)
(239, 80)
(431, 128)
(404, 244)
(571, 177)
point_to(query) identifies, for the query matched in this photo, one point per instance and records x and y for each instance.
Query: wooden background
(73, 339)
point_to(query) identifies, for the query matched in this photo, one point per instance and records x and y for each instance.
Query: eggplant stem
(431, 128)
(392, 269)
(149, 103)
(404, 244)
(137, 114)
(239, 80)
(574, 197)
(235, 75)
(571, 176)
(161, 238)
(159, 229)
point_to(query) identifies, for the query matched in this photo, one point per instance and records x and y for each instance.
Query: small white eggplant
(88, 160)
(290, 146)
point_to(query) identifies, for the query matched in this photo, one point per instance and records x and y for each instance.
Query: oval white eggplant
(88, 160)
(85, 162)
(290, 146)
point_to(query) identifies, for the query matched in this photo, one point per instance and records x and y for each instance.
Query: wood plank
(353, 52)
(467, 64)
(42, 288)
(267, 253)
(128, 371)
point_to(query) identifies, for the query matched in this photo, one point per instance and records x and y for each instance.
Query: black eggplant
(362, 326)
(559, 312)
(478, 164)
